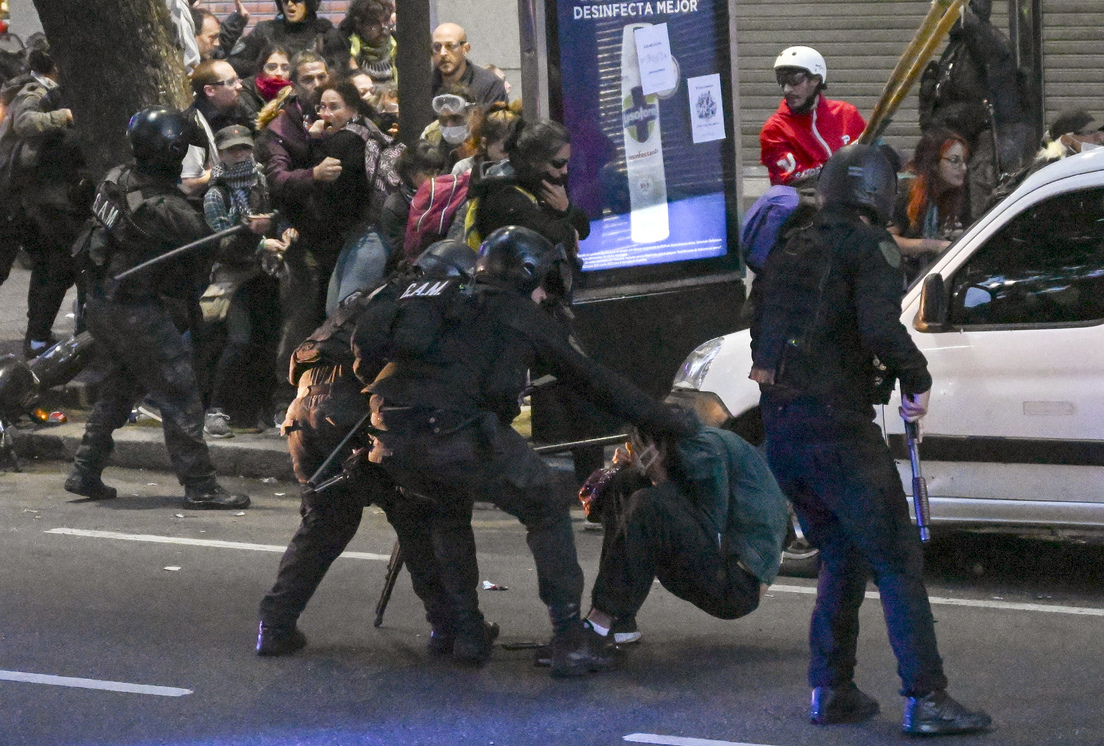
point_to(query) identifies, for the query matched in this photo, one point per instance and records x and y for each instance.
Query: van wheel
(799, 558)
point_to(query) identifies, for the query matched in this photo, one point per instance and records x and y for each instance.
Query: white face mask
(455, 135)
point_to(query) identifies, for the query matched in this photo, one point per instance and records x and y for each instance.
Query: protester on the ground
(372, 46)
(814, 343)
(217, 89)
(932, 210)
(808, 127)
(451, 65)
(244, 377)
(350, 206)
(977, 90)
(702, 514)
(136, 321)
(273, 74)
(41, 166)
(416, 166)
(329, 405)
(296, 28)
(451, 388)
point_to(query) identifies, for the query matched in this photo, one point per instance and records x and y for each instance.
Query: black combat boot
(475, 648)
(89, 485)
(213, 496)
(273, 640)
(936, 714)
(576, 648)
(841, 704)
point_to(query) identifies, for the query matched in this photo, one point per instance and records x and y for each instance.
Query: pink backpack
(432, 211)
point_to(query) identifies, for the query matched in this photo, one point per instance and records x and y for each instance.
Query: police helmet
(523, 259)
(803, 58)
(860, 176)
(159, 137)
(17, 382)
(447, 258)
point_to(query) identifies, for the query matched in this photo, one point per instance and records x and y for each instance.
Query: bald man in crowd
(451, 65)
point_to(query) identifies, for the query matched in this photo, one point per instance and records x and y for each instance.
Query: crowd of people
(412, 295)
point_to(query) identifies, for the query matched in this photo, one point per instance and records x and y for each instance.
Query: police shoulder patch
(890, 251)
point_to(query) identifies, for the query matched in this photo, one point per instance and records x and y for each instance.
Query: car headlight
(694, 369)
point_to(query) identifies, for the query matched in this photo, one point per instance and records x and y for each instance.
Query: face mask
(455, 135)
(387, 120)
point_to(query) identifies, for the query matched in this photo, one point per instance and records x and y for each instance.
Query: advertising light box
(645, 90)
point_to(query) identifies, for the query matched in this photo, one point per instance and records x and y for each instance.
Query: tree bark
(115, 57)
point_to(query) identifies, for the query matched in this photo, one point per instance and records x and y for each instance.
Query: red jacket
(792, 146)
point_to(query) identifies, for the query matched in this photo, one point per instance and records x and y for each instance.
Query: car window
(1046, 266)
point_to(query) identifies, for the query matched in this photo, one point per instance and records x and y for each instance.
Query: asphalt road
(174, 623)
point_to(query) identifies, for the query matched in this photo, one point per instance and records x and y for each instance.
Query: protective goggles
(449, 104)
(790, 77)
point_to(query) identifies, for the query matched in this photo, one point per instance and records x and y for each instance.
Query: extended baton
(394, 565)
(919, 484)
(168, 255)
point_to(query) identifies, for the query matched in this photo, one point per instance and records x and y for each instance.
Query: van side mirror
(932, 316)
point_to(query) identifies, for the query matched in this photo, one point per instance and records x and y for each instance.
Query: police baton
(394, 565)
(919, 484)
(169, 255)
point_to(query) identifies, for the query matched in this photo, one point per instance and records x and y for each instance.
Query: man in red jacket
(807, 128)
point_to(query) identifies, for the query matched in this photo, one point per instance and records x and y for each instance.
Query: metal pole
(413, 60)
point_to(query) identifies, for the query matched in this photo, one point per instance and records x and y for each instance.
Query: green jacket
(728, 481)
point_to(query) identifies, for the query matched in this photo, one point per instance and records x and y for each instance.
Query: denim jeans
(360, 265)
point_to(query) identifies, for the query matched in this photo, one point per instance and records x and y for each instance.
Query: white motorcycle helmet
(805, 58)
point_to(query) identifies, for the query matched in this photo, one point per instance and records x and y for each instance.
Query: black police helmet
(860, 176)
(447, 258)
(159, 137)
(523, 259)
(16, 384)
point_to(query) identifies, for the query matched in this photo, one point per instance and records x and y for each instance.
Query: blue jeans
(360, 265)
(848, 496)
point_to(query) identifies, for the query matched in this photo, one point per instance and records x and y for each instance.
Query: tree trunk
(115, 57)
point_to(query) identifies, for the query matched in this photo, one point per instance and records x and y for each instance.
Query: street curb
(257, 456)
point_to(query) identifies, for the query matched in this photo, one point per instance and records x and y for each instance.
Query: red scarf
(269, 87)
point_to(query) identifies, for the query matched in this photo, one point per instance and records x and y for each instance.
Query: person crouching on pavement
(702, 513)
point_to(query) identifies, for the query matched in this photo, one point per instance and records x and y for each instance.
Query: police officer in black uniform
(831, 304)
(140, 213)
(329, 405)
(458, 363)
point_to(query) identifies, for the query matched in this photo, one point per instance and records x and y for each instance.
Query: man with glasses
(451, 65)
(217, 90)
(799, 138)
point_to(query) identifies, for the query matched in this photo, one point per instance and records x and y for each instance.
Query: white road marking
(149, 538)
(976, 603)
(680, 741)
(109, 686)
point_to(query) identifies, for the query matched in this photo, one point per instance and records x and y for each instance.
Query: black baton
(139, 268)
(394, 565)
(919, 484)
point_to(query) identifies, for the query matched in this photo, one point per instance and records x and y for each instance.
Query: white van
(1011, 320)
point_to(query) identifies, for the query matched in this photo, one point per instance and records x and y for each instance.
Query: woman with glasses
(350, 206)
(933, 208)
(273, 74)
(296, 27)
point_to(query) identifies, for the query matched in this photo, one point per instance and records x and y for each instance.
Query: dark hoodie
(314, 33)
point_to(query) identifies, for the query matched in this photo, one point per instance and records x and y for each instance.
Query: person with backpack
(417, 166)
(350, 206)
(247, 296)
(830, 303)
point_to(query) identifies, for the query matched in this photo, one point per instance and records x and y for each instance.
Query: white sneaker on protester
(216, 423)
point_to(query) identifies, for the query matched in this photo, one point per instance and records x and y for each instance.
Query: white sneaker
(216, 423)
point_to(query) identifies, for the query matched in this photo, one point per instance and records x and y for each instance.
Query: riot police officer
(458, 362)
(140, 213)
(830, 305)
(329, 405)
